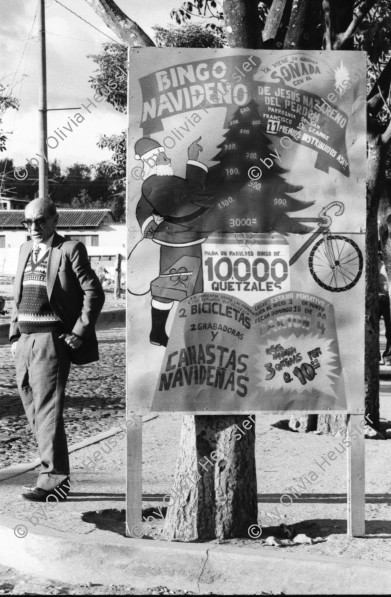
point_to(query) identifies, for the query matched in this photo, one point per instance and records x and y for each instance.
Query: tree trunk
(331, 424)
(375, 182)
(215, 489)
(127, 30)
(221, 501)
(339, 26)
(273, 20)
(384, 221)
(242, 23)
(303, 423)
(341, 13)
(296, 25)
(117, 285)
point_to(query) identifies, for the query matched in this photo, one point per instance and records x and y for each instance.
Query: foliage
(188, 36)
(6, 102)
(116, 169)
(110, 79)
(81, 186)
(82, 201)
(201, 25)
(374, 33)
(374, 37)
(111, 75)
(211, 11)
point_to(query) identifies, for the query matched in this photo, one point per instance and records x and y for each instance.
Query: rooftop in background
(10, 203)
(68, 218)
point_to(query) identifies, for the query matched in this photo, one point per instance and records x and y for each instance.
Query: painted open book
(224, 355)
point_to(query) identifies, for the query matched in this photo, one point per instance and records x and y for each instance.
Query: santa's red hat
(146, 147)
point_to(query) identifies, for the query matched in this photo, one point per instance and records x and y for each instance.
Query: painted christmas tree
(249, 191)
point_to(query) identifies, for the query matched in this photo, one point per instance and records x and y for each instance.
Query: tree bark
(127, 30)
(221, 502)
(117, 285)
(273, 20)
(296, 27)
(303, 423)
(242, 23)
(380, 90)
(346, 24)
(215, 489)
(340, 24)
(376, 181)
(331, 424)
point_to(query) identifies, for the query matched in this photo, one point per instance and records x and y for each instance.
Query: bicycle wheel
(336, 263)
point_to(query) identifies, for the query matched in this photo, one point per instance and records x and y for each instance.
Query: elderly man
(57, 300)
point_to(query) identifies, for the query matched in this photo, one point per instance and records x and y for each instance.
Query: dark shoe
(58, 494)
(158, 334)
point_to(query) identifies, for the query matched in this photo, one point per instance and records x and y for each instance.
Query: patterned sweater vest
(35, 313)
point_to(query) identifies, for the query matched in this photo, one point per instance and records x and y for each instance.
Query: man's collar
(45, 245)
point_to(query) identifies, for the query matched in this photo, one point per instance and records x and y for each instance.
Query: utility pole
(42, 108)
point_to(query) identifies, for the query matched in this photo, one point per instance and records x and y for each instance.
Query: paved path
(15, 583)
(95, 399)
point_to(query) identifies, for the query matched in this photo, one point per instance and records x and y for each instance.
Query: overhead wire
(67, 37)
(13, 84)
(88, 23)
(24, 48)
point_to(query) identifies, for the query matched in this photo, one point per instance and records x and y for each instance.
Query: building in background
(96, 228)
(9, 203)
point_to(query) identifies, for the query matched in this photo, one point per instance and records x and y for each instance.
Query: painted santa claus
(167, 213)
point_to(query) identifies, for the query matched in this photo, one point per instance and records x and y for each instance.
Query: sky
(69, 40)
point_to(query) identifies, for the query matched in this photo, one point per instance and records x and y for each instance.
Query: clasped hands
(73, 341)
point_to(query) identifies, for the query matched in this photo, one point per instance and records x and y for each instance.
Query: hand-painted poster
(246, 215)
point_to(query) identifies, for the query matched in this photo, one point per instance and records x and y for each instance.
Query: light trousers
(42, 368)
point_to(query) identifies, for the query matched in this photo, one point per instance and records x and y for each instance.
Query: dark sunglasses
(39, 223)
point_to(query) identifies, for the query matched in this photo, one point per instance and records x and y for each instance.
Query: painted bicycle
(335, 261)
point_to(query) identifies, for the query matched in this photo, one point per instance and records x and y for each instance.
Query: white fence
(8, 261)
(99, 256)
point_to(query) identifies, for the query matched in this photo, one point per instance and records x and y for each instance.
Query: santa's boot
(158, 334)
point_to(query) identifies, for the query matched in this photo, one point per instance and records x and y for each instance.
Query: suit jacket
(74, 291)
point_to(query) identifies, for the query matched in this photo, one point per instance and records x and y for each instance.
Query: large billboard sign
(246, 215)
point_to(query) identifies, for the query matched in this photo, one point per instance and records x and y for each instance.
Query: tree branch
(127, 30)
(386, 136)
(273, 19)
(380, 90)
(358, 17)
(327, 24)
(242, 23)
(296, 24)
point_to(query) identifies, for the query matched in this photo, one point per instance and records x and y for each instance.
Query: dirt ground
(316, 509)
(301, 484)
(286, 493)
